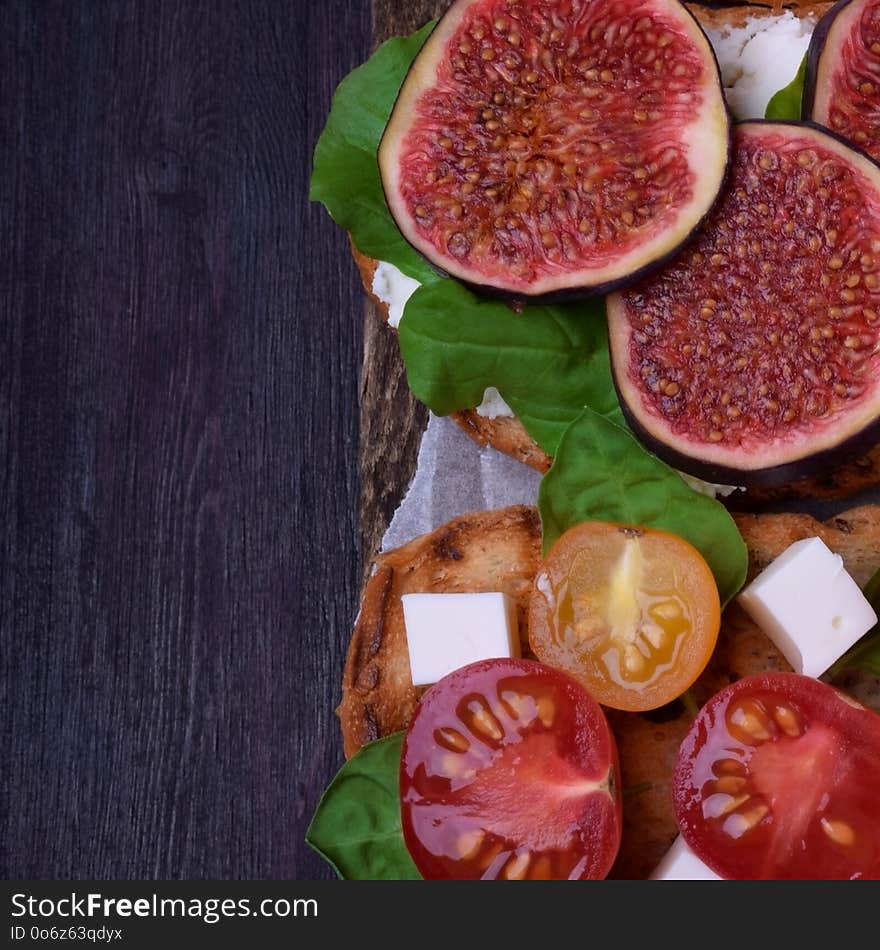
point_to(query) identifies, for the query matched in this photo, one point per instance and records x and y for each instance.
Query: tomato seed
(483, 721)
(633, 660)
(546, 711)
(725, 804)
(731, 784)
(468, 844)
(517, 706)
(517, 866)
(751, 721)
(729, 767)
(739, 823)
(839, 832)
(451, 739)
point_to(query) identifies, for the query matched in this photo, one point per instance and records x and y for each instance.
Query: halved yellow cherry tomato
(632, 613)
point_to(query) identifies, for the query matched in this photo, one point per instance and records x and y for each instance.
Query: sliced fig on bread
(754, 358)
(556, 149)
(842, 82)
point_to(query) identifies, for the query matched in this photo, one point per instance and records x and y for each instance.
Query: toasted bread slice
(500, 550)
(487, 551)
(735, 17)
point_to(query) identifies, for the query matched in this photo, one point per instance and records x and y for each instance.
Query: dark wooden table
(180, 345)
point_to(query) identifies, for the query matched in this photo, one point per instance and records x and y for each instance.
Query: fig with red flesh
(556, 147)
(842, 82)
(752, 359)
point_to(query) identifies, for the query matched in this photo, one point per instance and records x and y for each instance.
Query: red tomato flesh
(509, 770)
(779, 778)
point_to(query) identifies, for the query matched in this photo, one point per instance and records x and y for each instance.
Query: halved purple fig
(540, 147)
(754, 357)
(842, 82)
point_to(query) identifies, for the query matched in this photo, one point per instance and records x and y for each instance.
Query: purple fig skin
(517, 301)
(814, 54)
(818, 463)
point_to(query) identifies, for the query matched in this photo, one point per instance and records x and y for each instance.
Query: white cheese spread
(759, 59)
(393, 288)
(493, 406)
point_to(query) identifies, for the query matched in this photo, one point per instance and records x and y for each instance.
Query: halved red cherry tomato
(631, 613)
(509, 770)
(779, 777)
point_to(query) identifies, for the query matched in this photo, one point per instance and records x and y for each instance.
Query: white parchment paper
(455, 476)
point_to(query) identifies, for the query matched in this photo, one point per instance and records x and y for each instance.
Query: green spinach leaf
(786, 104)
(346, 177)
(602, 473)
(547, 362)
(356, 827)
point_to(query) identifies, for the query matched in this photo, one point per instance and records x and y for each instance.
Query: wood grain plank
(392, 420)
(179, 348)
(399, 17)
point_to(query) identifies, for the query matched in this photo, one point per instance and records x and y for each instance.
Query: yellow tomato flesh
(632, 613)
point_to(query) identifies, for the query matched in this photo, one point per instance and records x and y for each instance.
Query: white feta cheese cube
(681, 864)
(447, 631)
(809, 606)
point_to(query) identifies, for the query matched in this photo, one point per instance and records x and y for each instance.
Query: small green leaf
(872, 592)
(346, 171)
(356, 827)
(547, 362)
(691, 707)
(601, 473)
(865, 655)
(786, 104)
